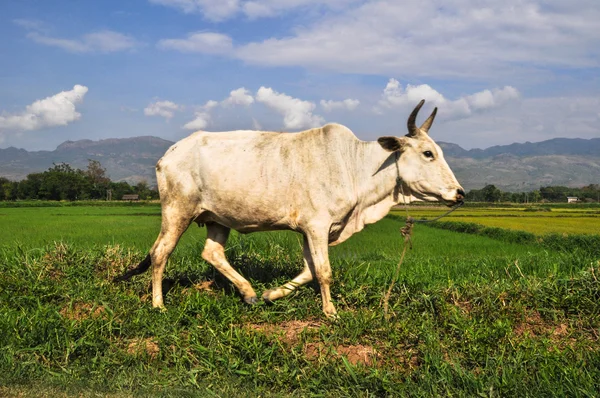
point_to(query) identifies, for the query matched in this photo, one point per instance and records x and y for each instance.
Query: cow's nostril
(460, 194)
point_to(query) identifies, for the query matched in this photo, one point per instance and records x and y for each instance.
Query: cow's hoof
(251, 300)
(266, 296)
(332, 314)
(159, 305)
(333, 317)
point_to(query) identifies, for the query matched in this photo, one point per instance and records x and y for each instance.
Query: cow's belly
(246, 221)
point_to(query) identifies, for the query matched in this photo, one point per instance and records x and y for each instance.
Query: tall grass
(470, 315)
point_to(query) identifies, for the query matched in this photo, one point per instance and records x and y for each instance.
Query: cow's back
(253, 180)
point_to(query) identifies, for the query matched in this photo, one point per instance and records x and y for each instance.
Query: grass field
(534, 219)
(469, 315)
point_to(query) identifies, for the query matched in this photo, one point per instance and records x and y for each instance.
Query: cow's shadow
(265, 273)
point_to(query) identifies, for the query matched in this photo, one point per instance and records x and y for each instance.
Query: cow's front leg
(319, 253)
(303, 277)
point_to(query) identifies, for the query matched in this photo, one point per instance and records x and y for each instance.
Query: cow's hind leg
(214, 253)
(303, 277)
(175, 221)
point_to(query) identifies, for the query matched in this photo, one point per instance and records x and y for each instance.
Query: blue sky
(499, 72)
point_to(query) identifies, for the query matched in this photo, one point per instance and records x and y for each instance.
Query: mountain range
(516, 167)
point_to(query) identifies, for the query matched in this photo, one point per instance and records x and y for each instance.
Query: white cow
(323, 182)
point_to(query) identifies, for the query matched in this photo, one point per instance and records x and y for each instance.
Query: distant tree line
(62, 182)
(553, 194)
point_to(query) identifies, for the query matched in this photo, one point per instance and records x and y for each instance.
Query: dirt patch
(289, 331)
(560, 338)
(535, 326)
(560, 331)
(81, 311)
(146, 346)
(204, 286)
(51, 260)
(356, 354)
(115, 260)
(465, 307)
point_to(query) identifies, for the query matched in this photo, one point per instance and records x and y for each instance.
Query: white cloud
(347, 104)
(200, 42)
(57, 110)
(210, 104)
(165, 109)
(421, 38)
(202, 117)
(270, 8)
(200, 122)
(30, 24)
(255, 9)
(487, 99)
(220, 10)
(531, 119)
(105, 41)
(204, 113)
(297, 114)
(241, 96)
(214, 10)
(395, 96)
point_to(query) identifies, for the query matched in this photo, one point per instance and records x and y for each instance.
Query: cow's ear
(391, 144)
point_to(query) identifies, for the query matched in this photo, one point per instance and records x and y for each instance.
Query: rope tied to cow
(406, 232)
(424, 220)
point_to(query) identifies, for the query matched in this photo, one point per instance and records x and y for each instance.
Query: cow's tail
(141, 268)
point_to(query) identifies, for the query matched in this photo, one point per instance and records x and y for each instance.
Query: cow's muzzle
(457, 198)
(460, 195)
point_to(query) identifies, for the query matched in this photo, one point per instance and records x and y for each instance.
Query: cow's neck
(377, 188)
(378, 179)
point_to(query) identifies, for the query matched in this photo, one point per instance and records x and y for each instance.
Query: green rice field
(537, 220)
(469, 315)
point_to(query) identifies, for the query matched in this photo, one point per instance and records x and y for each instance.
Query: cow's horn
(427, 123)
(412, 127)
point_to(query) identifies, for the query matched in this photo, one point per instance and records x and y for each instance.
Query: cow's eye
(428, 154)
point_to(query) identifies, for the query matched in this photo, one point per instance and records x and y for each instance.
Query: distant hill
(125, 159)
(556, 146)
(516, 167)
(572, 162)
